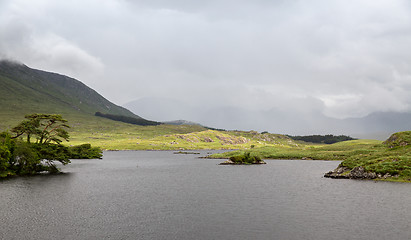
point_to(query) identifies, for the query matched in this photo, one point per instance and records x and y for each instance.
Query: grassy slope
(337, 151)
(24, 90)
(119, 136)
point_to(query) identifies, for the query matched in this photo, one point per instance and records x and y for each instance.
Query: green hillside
(24, 90)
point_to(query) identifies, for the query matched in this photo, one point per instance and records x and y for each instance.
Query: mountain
(163, 109)
(24, 90)
(380, 125)
(181, 122)
(30, 90)
(377, 125)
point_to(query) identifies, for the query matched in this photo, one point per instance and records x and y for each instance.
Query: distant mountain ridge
(23, 89)
(377, 125)
(181, 122)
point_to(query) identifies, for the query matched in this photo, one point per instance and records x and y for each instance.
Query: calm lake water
(161, 195)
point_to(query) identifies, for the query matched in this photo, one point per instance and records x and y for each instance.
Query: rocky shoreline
(355, 173)
(230, 162)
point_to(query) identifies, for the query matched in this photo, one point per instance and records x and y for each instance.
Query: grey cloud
(22, 41)
(348, 59)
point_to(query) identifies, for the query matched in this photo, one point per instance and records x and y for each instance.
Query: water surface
(161, 195)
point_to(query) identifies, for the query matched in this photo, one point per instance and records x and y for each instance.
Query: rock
(228, 162)
(360, 173)
(341, 170)
(355, 173)
(332, 174)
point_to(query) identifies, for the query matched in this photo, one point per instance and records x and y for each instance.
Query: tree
(7, 147)
(26, 160)
(4, 157)
(19, 157)
(49, 131)
(46, 127)
(28, 127)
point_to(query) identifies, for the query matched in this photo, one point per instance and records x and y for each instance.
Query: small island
(245, 159)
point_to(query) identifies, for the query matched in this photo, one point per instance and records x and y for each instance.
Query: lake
(161, 195)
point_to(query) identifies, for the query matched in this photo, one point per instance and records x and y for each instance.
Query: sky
(335, 58)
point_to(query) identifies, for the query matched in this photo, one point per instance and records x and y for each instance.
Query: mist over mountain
(161, 109)
(377, 125)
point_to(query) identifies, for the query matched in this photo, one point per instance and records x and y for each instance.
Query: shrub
(4, 157)
(85, 151)
(246, 158)
(327, 139)
(25, 159)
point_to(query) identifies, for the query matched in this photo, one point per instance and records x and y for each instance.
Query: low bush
(85, 151)
(246, 158)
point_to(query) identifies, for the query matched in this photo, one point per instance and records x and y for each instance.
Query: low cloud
(22, 41)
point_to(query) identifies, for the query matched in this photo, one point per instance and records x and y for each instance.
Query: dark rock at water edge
(340, 172)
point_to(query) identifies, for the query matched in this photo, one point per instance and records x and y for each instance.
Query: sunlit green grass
(114, 135)
(337, 151)
(120, 136)
(370, 154)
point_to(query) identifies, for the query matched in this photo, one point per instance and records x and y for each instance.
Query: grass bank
(338, 151)
(171, 137)
(391, 158)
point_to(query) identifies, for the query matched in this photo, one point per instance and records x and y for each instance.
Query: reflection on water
(161, 195)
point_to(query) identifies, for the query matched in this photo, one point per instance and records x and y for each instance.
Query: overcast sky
(336, 57)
